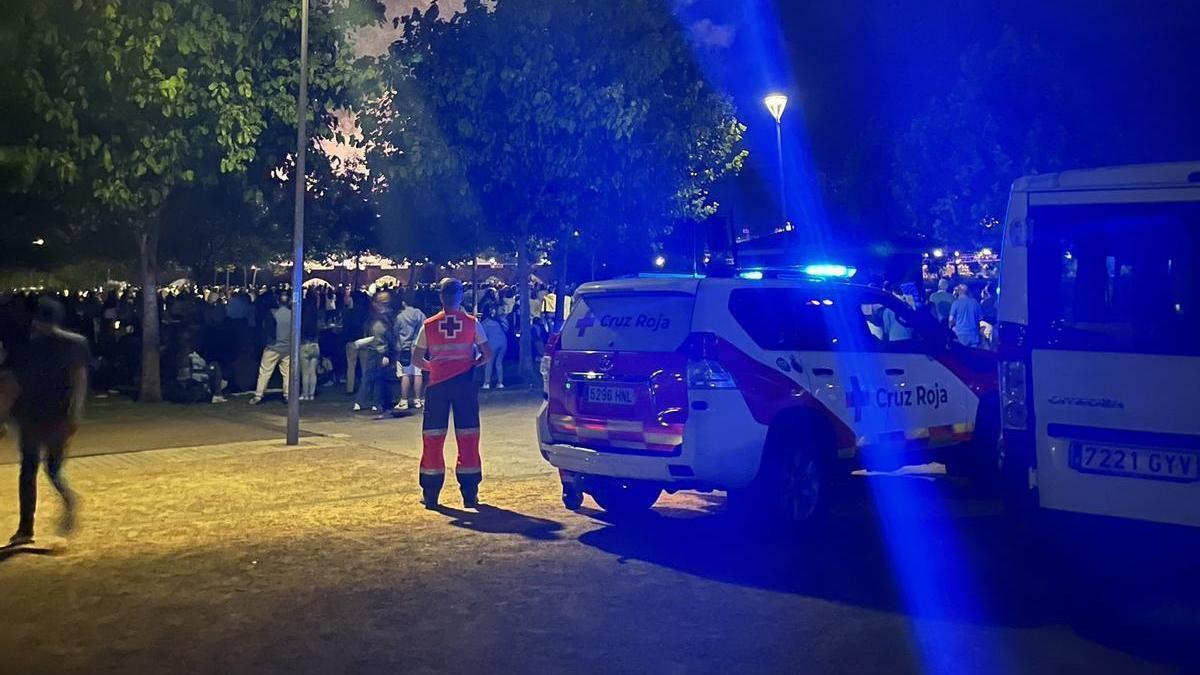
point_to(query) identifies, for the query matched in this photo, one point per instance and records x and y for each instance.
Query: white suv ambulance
(1099, 338)
(767, 385)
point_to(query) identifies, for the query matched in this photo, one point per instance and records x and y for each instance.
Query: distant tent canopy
(386, 281)
(315, 282)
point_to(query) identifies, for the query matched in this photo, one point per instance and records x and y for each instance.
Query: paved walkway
(251, 556)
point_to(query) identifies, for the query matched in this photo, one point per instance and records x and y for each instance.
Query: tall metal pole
(782, 180)
(293, 383)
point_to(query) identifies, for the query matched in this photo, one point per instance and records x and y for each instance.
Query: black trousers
(33, 439)
(459, 395)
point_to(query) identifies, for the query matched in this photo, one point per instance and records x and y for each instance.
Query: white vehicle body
(680, 381)
(1100, 355)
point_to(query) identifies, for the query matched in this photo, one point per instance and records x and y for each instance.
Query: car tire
(626, 497)
(794, 485)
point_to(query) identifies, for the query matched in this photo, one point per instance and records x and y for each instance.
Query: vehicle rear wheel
(626, 497)
(793, 487)
(801, 496)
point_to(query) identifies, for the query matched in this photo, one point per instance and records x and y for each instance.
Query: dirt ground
(249, 556)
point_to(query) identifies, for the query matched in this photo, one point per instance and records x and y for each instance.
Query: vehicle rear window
(1116, 277)
(640, 322)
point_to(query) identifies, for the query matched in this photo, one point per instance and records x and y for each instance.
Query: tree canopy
(954, 166)
(517, 124)
(135, 102)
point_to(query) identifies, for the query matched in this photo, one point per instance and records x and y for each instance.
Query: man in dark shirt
(51, 373)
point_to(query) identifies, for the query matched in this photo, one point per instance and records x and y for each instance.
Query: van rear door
(618, 379)
(1114, 329)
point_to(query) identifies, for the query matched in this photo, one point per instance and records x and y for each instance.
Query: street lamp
(660, 261)
(39, 242)
(776, 103)
(293, 383)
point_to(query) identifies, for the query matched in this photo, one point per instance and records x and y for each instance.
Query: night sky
(1129, 70)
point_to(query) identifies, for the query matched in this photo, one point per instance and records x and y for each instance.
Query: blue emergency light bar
(817, 270)
(830, 270)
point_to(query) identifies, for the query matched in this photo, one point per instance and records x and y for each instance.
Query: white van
(1099, 342)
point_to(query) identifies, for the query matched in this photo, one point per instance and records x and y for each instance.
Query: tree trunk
(151, 390)
(525, 366)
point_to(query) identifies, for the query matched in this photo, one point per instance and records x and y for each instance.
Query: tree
(137, 100)
(1002, 119)
(535, 119)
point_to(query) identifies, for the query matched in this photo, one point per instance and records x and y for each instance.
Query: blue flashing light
(830, 270)
(752, 275)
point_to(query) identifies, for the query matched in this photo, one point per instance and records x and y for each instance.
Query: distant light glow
(776, 103)
(830, 270)
(752, 275)
(660, 261)
(985, 252)
(939, 253)
(39, 242)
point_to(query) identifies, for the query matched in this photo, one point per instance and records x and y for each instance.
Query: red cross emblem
(450, 326)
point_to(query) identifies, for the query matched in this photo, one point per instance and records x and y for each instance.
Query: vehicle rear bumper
(577, 459)
(717, 452)
(595, 462)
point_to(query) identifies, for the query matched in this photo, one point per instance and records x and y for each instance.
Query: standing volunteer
(450, 345)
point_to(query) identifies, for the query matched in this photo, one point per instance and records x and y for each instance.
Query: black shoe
(470, 500)
(21, 538)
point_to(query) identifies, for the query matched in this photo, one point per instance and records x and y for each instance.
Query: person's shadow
(495, 520)
(10, 551)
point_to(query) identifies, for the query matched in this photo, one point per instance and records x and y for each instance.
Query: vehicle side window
(778, 319)
(891, 323)
(797, 319)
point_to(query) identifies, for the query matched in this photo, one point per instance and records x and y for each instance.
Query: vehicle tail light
(704, 370)
(1014, 376)
(547, 360)
(1014, 395)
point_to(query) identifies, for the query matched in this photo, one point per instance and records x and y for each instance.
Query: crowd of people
(952, 305)
(215, 341)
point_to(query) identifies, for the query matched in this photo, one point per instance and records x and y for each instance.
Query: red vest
(450, 344)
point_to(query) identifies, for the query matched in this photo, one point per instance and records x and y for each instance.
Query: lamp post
(776, 103)
(293, 383)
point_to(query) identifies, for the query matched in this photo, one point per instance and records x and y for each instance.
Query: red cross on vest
(450, 326)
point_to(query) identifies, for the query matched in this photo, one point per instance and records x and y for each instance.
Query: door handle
(822, 371)
(894, 371)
